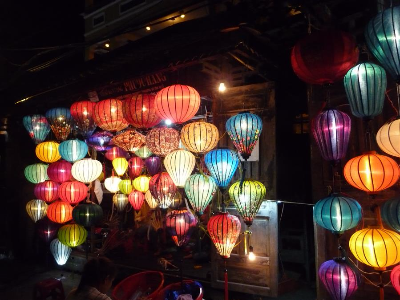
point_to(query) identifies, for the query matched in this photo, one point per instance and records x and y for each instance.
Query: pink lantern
(395, 278)
(60, 171)
(180, 224)
(115, 152)
(136, 199)
(135, 167)
(46, 191)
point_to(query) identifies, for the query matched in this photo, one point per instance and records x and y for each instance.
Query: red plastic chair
(50, 287)
(145, 284)
(175, 287)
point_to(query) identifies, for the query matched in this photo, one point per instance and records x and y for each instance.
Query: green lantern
(200, 190)
(72, 235)
(125, 186)
(143, 152)
(87, 214)
(36, 173)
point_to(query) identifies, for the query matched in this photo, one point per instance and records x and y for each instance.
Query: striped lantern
(73, 150)
(72, 235)
(100, 140)
(135, 167)
(129, 140)
(87, 214)
(139, 110)
(200, 189)
(125, 186)
(141, 183)
(222, 164)
(47, 229)
(112, 184)
(61, 122)
(388, 138)
(36, 209)
(163, 189)
(179, 165)
(199, 137)
(120, 165)
(60, 171)
(395, 278)
(48, 152)
(37, 127)
(143, 152)
(82, 113)
(151, 202)
(162, 141)
(390, 213)
(60, 252)
(180, 224)
(46, 191)
(36, 173)
(59, 212)
(153, 165)
(116, 152)
(73, 192)
(120, 201)
(86, 170)
(136, 199)
(107, 114)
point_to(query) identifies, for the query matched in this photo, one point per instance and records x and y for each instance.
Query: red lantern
(107, 114)
(46, 191)
(395, 278)
(140, 111)
(47, 229)
(135, 167)
(129, 140)
(82, 113)
(163, 189)
(180, 224)
(60, 171)
(59, 212)
(73, 192)
(115, 152)
(324, 57)
(136, 199)
(162, 141)
(177, 103)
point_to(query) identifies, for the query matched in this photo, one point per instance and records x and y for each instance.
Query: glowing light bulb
(144, 108)
(222, 87)
(251, 254)
(182, 16)
(107, 45)
(168, 122)
(147, 28)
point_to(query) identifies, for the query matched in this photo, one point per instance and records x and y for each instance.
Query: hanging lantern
(177, 103)
(376, 247)
(36, 209)
(153, 165)
(61, 121)
(141, 183)
(47, 229)
(82, 113)
(390, 212)
(395, 278)
(244, 130)
(371, 172)
(37, 127)
(107, 114)
(151, 202)
(73, 192)
(86, 170)
(120, 201)
(87, 214)
(72, 235)
(162, 141)
(59, 212)
(143, 152)
(247, 197)
(222, 164)
(120, 165)
(140, 111)
(125, 186)
(136, 199)
(36, 173)
(129, 140)
(163, 189)
(100, 140)
(199, 137)
(116, 152)
(60, 252)
(48, 152)
(365, 86)
(60, 171)
(324, 57)
(73, 150)
(388, 138)
(179, 165)
(339, 279)
(337, 213)
(331, 130)
(112, 184)
(180, 223)
(135, 167)
(224, 230)
(200, 189)
(46, 191)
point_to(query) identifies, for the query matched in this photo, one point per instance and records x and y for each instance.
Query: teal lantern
(390, 212)
(73, 150)
(87, 214)
(200, 190)
(37, 127)
(222, 164)
(337, 213)
(365, 86)
(61, 122)
(36, 173)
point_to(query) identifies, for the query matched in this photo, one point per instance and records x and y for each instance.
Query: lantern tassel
(226, 281)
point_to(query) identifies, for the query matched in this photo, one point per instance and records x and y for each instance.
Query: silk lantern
(72, 235)
(180, 224)
(143, 152)
(37, 127)
(331, 130)
(135, 166)
(59, 212)
(47, 229)
(120, 165)
(179, 165)
(337, 213)
(151, 202)
(199, 137)
(107, 114)
(153, 164)
(395, 278)
(222, 164)
(36, 209)
(82, 113)
(61, 122)
(86, 170)
(112, 184)
(163, 189)
(125, 186)
(73, 150)
(36, 173)
(141, 183)
(139, 110)
(200, 189)
(136, 199)
(120, 201)
(388, 138)
(177, 103)
(129, 140)
(116, 152)
(48, 152)
(46, 191)
(390, 213)
(371, 172)
(60, 252)
(60, 171)
(87, 214)
(73, 192)
(100, 140)
(365, 86)
(162, 141)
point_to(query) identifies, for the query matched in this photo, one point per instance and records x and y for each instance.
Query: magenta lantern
(46, 191)
(135, 167)
(136, 199)
(153, 164)
(73, 192)
(47, 230)
(59, 171)
(180, 224)
(395, 278)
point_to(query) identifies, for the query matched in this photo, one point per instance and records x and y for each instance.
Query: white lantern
(60, 252)
(86, 170)
(388, 138)
(179, 165)
(36, 209)
(150, 200)
(120, 201)
(112, 184)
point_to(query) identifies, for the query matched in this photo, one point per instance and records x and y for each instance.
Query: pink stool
(50, 287)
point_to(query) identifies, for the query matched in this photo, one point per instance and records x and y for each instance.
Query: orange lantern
(48, 151)
(140, 111)
(162, 141)
(59, 212)
(129, 140)
(107, 114)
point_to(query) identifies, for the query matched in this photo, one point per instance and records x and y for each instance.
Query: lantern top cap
(375, 227)
(370, 152)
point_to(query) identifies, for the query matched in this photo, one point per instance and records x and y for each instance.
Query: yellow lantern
(141, 183)
(179, 165)
(150, 200)
(112, 184)
(120, 201)
(199, 137)
(48, 151)
(36, 209)
(72, 235)
(120, 165)
(125, 186)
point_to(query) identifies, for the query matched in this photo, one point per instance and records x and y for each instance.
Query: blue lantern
(337, 213)
(244, 130)
(73, 150)
(222, 164)
(37, 127)
(100, 140)
(61, 121)
(390, 212)
(365, 86)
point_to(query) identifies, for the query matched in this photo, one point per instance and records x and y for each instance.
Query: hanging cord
(391, 102)
(398, 99)
(367, 140)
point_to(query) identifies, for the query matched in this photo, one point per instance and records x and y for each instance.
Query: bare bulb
(252, 257)
(222, 87)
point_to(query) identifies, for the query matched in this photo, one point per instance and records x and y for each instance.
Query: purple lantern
(331, 130)
(153, 165)
(180, 223)
(339, 279)
(47, 229)
(100, 140)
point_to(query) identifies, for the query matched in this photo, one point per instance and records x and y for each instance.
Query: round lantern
(141, 183)
(48, 152)
(120, 201)
(371, 172)
(125, 186)
(100, 140)
(224, 230)
(60, 252)
(337, 213)
(200, 189)
(162, 141)
(376, 247)
(73, 192)
(36, 209)
(116, 152)
(135, 167)
(46, 190)
(47, 229)
(180, 224)
(37, 127)
(199, 137)
(73, 150)
(120, 165)
(163, 189)
(222, 164)
(151, 202)
(86, 170)
(36, 173)
(395, 278)
(179, 165)
(365, 86)
(331, 130)
(143, 152)
(72, 235)
(59, 212)
(82, 113)
(61, 121)
(153, 165)
(87, 214)
(388, 138)
(140, 111)
(390, 212)
(244, 130)
(129, 140)
(339, 279)
(324, 57)
(177, 103)
(136, 199)
(60, 171)
(107, 114)
(247, 197)
(112, 184)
